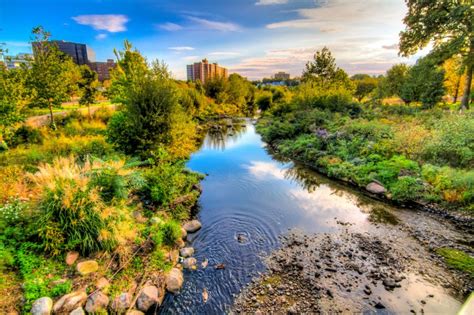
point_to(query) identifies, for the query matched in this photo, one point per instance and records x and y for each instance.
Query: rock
(121, 303)
(180, 243)
(389, 283)
(138, 216)
(204, 263)
(42, 306)
(78, 311)
(147, 298)
(192, 226)
(135, 312)
(69, 302)
(172, 256)
(102, 283)
(186, 252)
(156, 220)
(174, 280)
(190, 263)
(376, 188)
(219, 266)
(97, 301)
(87, 267)
(183, 233)
(205, 295)
(71, 258)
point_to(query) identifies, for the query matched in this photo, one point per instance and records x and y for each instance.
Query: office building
(102, 68)
(204, 71)
(282, 76)
(80, 53)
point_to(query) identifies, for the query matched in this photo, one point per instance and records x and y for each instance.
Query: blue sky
(255, 38)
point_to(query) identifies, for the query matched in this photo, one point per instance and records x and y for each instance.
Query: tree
(449, 25)
(454, 70)
(88, 86)
(322, 69)
(365, 85)
(395, 79)
(131, 69)
(49, 79)
(424, 83)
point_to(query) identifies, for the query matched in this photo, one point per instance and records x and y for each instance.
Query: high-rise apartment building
(204, 71)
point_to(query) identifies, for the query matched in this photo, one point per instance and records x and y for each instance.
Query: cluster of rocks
(149, 297)
(327, 273)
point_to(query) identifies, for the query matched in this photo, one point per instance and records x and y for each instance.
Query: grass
(457, 259)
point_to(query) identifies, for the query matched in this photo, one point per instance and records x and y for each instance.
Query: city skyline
(255, 38)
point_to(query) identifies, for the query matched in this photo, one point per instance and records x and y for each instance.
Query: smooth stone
(189, 263)
(87, 267)
(376, 188)
(186, 252)
(147, 298)
(42, 306)
(78, 311)
(96, 302)
(184, 233)
(121, 303)
(174, 280)
(192, 226)
(135, 312)
(70, 301)
(71, 258)
(102, 283)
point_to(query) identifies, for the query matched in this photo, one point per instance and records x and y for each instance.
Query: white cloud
(171, 27)
(214, 25)
(224, 53)
(101, 36)
(181, 48)
(265, 170)
(191, 58)
(270, 2)
(106, 22)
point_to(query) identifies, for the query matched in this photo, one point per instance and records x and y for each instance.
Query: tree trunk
(467, 89)
(456, 93)
(51, 113)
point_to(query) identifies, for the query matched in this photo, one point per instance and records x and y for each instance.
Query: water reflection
(250, 198)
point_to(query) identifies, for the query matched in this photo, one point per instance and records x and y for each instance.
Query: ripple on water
(238, 240)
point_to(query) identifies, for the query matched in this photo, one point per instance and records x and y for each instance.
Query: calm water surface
(249, 199)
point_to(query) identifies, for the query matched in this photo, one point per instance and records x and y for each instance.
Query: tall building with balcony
(204, 71)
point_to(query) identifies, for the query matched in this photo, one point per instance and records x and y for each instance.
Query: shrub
(169, 233)
(26, 135)
(457, 259)
(388, 171)
(406, 188)
(70, 211)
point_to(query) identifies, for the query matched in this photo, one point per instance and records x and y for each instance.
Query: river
(249, 199)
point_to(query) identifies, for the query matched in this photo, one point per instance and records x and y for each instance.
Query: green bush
(406, 188)
(458, 259)
(169, 233)
(26, 135)
(388, 171)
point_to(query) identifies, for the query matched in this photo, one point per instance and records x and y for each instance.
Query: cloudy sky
(255, 38)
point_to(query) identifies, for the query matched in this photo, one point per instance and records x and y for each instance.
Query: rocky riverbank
(350, 271)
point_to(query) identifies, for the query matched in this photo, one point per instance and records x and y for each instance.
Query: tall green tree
(449, 25)
(127, 76)
(50, 81)
(424, 83)
(395, 79)
(364, 85)
(88, 87)
(322, 68)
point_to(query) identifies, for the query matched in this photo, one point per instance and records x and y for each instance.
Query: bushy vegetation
(420, 154)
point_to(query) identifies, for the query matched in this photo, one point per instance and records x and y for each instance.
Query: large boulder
(147, 298)
(192, 226)
(376, 188)
(71, 258)
(186, 252)
(121, 303)
(96, 302)
(42, 306)
(69, 302)
(184, 233)
(174, 280)
(87, 267)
